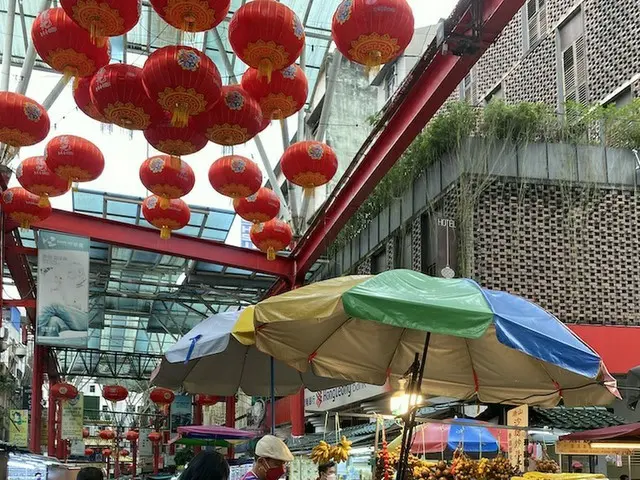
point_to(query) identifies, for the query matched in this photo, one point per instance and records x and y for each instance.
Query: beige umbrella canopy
(219, 357)
(488, 345)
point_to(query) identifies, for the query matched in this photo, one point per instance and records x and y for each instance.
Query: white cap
(272, 447)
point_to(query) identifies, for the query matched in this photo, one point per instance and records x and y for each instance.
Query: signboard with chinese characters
(340, 396)
(580, 447)
(518, 417)
(145, 447)
(73, 418)
(63, 290)
(18, 427)
(181, 412)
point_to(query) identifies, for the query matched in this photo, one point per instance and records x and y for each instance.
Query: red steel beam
(435, 84)
(20, 273)
(141, 238)
(24, 302)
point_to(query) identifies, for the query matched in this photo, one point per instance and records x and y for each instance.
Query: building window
(535, 22)
(92, 389)
(391, 81)
(573, 61)
(379, 262)
(495, 94)
(625, 97)
(467, 88)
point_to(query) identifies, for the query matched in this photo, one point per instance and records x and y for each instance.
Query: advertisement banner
(245, 235)
(145, 447)
(73, 418)
(340, 396)
(63, 290)
(518, 417)
(18, 427)
(181, 409)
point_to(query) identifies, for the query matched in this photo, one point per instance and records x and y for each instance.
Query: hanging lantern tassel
(176, 162)
(265, 68)
(44, 201)
(308, 192)
(180, 116)
(164, 203)
(165, 232)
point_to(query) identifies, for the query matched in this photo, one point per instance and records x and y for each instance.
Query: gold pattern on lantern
(71, 63)
(268, 56)
(374, 49)
(127, 115)
(195, 15)
(15, 137)
(227, 134)
(182, 103)
(102, 20)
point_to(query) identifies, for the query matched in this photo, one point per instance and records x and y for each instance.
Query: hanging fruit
(103, 18)
(119, 95)
(266, 35)
(372, 33)
(271, 237)
(205, 400)
(82, 97)
(66, 47)
(107, 434)
(285, 95)
(115, 393)
(74, 158)
(321, 453)
(89, 451)
(236, 119)
(192, 15)
(183, 81)
(24, 207)
(235, 176)
(106, 453)
(174, 217)
(63, 391)
(175, 141)
(23, 122)
(260, 207)
(155, 437)
(132, 435)
(162, 396)
(36, 177)
(167, 177)
(309, 164)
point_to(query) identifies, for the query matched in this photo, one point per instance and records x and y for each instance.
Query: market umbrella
(218, 357)
(484, 344)
(470, 435)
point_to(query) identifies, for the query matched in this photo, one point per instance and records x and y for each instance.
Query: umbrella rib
(476, 383)
(244, 363)
(394, 353)
(326, 339)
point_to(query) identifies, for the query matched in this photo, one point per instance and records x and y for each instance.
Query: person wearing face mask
(327, 471)
(272, 456)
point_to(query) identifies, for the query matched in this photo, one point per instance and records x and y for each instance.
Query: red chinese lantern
(115, 393)
(25, 209)
(266, 35)
(372, 33)
(107, 434)
(106, 453)
(66, 47)
(63, 391)
(132, 435)
(235, 176)
(124, 452)
(120, 97)
(260, 207)
(167, 177)
(155, 437)
(36, 177)
(74, 158)
(85, 433)
(236, 119)
(104, 18)
(175, 141)
(82, 97)
(23, 122)
(89, 451)
(285, 95)
(271, 237)
(192, 15)
(205, 400)
(173, 217)
(183, 80)
(309, 164)
(162, 396)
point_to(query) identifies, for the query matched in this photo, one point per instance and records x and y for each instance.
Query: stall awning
(627, 433)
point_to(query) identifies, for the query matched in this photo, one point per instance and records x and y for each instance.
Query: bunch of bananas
(340, 452)
(560, 476)
(321, 453)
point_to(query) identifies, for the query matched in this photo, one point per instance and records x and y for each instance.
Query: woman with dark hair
(207, 465)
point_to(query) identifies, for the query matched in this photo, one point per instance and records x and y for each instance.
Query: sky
(125, 151)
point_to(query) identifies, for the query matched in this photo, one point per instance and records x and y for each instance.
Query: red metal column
(425, 92)
(134, 458)
(297, 413)
(230, 419)
(59, 440)
(38, 365)
(51, 424)
(197, 420)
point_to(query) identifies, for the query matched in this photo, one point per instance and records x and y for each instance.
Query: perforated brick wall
(416, 244)
(364, 267)
(574, 250)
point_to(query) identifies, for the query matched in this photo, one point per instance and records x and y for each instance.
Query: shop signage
(18, 427)
(63, 290)
(73, 418)
(245, 235)
(341, 396)
(145, 447)
(580, 447)
(518, 417)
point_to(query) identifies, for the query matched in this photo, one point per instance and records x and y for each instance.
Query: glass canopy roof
(152, 33)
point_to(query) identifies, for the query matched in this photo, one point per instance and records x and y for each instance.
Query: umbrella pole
(417, 375)
(273, 397)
